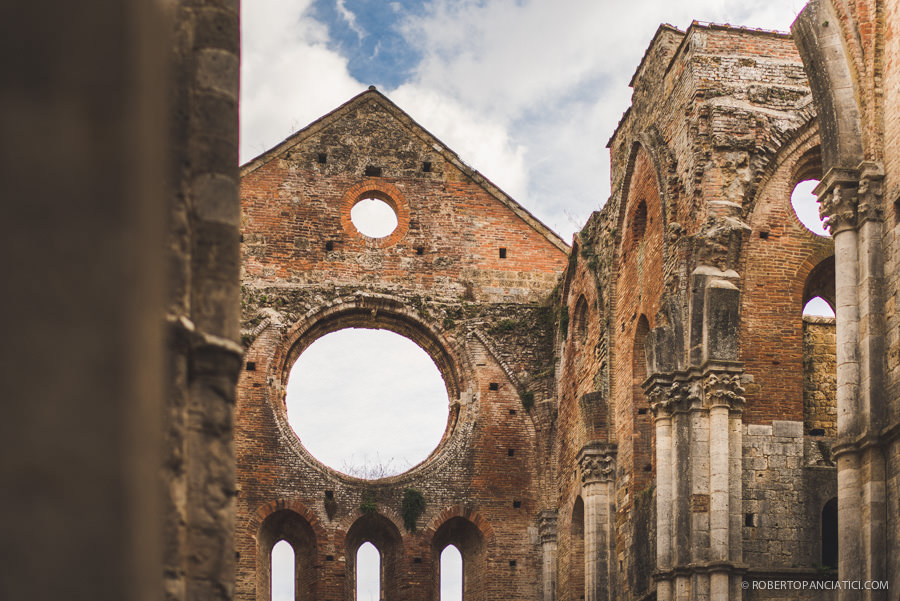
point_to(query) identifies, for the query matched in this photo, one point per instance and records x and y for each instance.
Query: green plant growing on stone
(564, 322)
(527, 398)
(505, 326)
(368, 503)
(412, 507)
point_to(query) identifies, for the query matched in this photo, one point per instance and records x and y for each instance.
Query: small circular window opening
(806, 206)
(367, 403)
(374, 218)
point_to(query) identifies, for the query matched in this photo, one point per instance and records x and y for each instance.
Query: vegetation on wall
(412, 507)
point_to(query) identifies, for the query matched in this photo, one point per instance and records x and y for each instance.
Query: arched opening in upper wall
(580, 322)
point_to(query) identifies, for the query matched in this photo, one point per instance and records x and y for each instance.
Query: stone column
(597, 465)
(851, 202)
(547, 529)
(837, 197)
(660, 402)
(723, 396)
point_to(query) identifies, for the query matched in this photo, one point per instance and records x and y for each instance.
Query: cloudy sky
(525, 91)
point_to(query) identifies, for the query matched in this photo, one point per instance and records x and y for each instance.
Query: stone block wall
(820, 377)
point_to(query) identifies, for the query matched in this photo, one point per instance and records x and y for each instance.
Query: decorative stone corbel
(547, 526)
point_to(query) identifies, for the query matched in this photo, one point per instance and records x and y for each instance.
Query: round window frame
(384, 192)
(385, 314)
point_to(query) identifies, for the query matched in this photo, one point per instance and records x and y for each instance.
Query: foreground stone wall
(117, 455)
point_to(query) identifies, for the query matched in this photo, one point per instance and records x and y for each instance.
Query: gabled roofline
(451, 157)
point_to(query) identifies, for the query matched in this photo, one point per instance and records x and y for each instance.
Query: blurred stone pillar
(83, 139)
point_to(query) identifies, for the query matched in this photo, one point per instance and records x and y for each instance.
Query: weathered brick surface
(440, 279)
(696, 270)
(703, 164)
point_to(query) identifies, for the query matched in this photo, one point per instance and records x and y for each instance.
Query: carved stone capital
(547, 526)
(870, 192)
(597, 463)
(724, 389)
(838, 199)
(662, 394)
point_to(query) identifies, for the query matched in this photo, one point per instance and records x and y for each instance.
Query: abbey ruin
(644, 414)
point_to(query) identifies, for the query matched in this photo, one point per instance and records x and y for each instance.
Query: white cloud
(350, 18)
(289, 77)
(482, 143)
(551, 79)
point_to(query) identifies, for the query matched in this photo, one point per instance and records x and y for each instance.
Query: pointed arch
(285, 523)
(385, 536)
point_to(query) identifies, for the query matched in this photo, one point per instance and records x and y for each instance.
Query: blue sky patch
(366, 33)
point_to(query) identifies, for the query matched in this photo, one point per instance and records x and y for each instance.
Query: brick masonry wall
(779, 257)
(440, 279)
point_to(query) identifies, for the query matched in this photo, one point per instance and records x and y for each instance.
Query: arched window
(459, 559)
(830, 534)
(451, 574)
(283, 571)
(819, 347)
(638, 223)
(374, 550)
(286, 558)
(368, 573)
